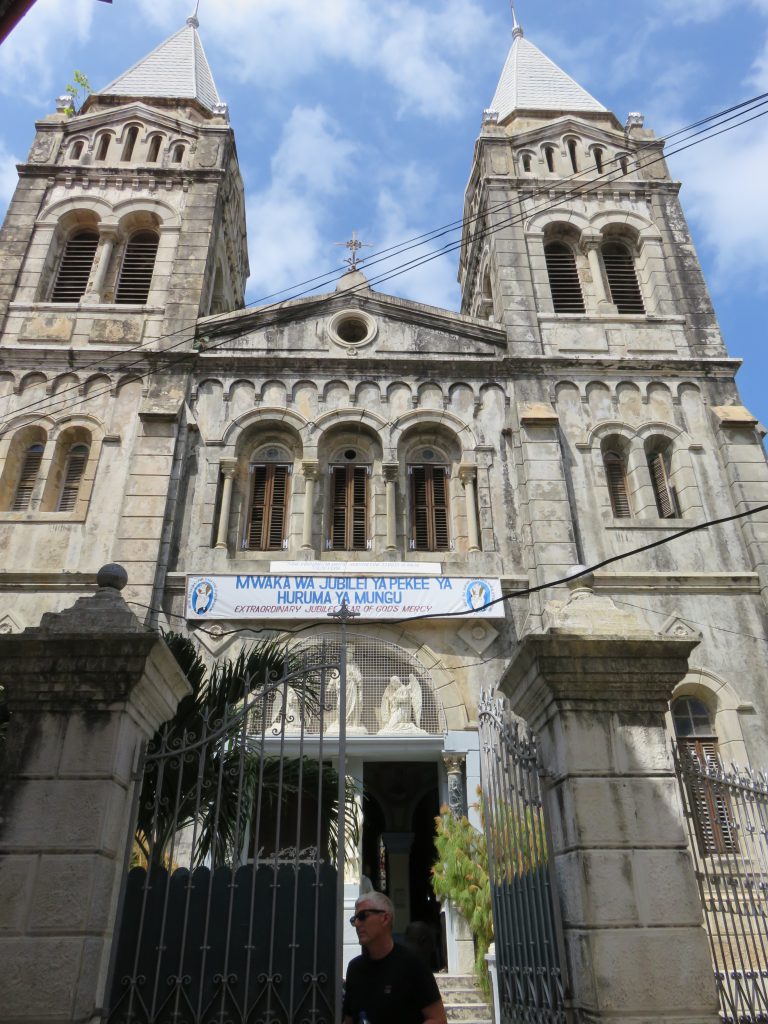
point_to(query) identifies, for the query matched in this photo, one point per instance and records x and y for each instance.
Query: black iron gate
(525, 922)
(230, 912)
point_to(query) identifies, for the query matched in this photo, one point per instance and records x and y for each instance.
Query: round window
(351, 328)
(350, 454)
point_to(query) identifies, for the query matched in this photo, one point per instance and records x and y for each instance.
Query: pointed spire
(517, 28)
(176, 69)
(531, 81)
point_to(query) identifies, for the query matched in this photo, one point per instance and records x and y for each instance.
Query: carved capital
(390, 471)
(454, 763)
(311, 469)
(228, 467)
(467, 473)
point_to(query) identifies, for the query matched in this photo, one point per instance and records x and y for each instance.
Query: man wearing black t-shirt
(387, 984)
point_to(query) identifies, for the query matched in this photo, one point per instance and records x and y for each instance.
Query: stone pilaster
(595, 687)
(85, 689)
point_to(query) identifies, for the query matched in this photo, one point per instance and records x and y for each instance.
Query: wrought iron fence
(230, 908)
(727, 815)
(525, 921)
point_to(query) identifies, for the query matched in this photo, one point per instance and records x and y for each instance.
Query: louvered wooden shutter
(564, 280)
(73, 474)
(665, 502)
(616, 479)
(269, 505)
(429, 508)
(75, 267)
(710, 803)
(622, 278)
(137, 269)
(349, 508)
(27, 478)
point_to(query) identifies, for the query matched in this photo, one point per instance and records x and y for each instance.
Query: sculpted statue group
(399, 711)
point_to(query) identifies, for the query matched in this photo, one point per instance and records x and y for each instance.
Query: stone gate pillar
(595, 686)
(85, 689)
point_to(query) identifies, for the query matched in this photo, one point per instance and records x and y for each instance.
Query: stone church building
(251, 467)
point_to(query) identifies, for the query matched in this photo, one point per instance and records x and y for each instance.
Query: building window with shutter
(75, 265)
(74, 469)
(622, 278)
(268, 507)
(349, 508)
(616, 479)
(137, 268)
(663, 491)
(699, 752)
(429, 508)
(563, 274)
(30, 470)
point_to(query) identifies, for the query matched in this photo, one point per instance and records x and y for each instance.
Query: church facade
(252, 468)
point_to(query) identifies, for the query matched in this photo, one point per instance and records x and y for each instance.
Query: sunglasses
(363, 915)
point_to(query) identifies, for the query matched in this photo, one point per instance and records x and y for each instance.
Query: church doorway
(399, 809)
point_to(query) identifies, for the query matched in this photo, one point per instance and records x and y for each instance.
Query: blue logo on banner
(203, 597)
(478, 594)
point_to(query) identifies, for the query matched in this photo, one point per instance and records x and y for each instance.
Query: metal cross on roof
(354, 245)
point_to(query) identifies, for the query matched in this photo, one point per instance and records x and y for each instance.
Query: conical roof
(531, 81)
(176, 69)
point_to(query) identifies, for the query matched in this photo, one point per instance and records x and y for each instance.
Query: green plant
(460, 874)
(202, 773)
(78, 89)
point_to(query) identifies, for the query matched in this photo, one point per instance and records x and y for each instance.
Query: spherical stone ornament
(113, 576)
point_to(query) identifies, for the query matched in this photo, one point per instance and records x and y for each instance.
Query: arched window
(429, 505)
(573, 155)
(77, 459)
(663, 491)
(616, 478)
(622, 278)
(598, 160)
(154, 150)
(138, 266)
(77, 150)
(130, 142)
(30, 468)
(75, 267)
(178, 154)
(549, 156)
(349, 504)
(103, 147)
(624, 164)
(268, 504)
(527, 163)
(564, 280)
(699, 753)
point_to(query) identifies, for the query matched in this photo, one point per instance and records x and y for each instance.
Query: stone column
(85, 690)
(107, 238)
(311, 471)
(398, 846)
(590, 245)
(457, 798)
(228, 467)
(391, 471)
(468, 475)
(595, 687)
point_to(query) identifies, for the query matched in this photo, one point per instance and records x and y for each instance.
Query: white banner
(314, 597)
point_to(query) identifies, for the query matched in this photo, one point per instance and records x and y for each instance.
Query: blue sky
(359, 114)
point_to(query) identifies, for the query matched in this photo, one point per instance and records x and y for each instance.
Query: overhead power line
(167, 355)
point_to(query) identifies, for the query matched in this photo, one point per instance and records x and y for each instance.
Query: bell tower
(128, 222)
(574, 238)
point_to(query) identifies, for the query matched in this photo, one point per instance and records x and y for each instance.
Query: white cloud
(287, 219)
(724, 194)
(8, 175)
(27, 55)
(423, 51)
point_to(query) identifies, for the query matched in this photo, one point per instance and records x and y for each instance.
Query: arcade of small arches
(134, 143)
(571, 155)
(368, 484)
